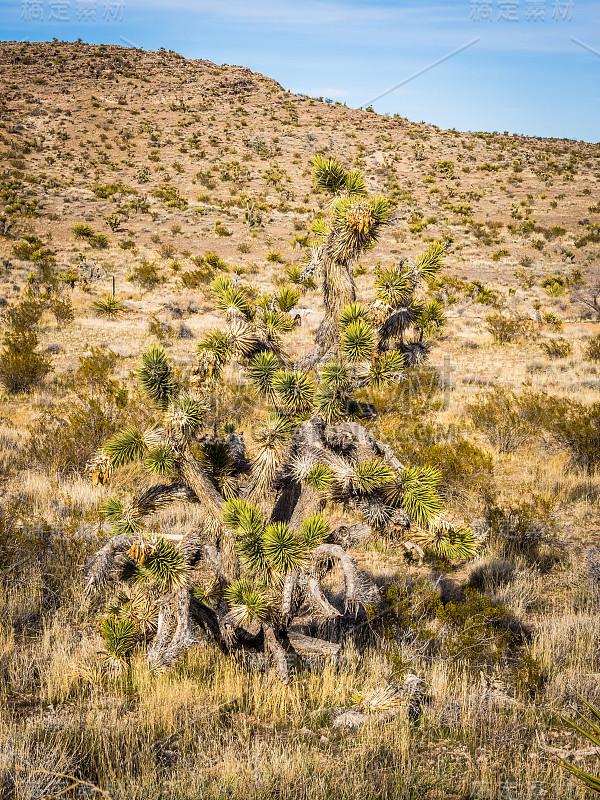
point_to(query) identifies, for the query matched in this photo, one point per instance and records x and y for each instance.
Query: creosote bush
(417, 623)
(22, 367)
(506, 419)
(506, 328)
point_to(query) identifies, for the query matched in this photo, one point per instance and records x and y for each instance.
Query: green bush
(554, 285)
(146, 275)
(414, 618)
(464, 467)
(21, 367)
(192, 279)
(98, 240)
(62, 309)
(557, 348)
(521, 528)
(216, 262)
(63, 441)
(24, 315)
(574, 426)
(506, 418)
(592, 351)
(508, 327)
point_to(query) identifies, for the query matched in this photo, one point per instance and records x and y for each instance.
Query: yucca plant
(588, 727)
(262, 536)
(110, 306)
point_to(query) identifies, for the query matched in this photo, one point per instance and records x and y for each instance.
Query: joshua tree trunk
(338, 290)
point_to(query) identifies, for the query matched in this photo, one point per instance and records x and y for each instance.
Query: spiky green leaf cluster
(294, 390)
(315, 530)
(111, 508)
(232, 299)
(357, 341)
(261, 371)
(160, 461)
(111, 307)
(166, 566)
(125, 446)
(264, 547)
(415, 490)
(247, 600)
(589, 727)
(187, 414)
(371, 474)
(119, 637)
(384, 369)
(429, 263)
(394, 287)
(330, 176)
(156, 378)
(430, 316)
(287, 298)
(320, 477)
(283, 548)
(351, 313)
(456, 543)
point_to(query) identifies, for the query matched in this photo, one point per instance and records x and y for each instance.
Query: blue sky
(525, 74)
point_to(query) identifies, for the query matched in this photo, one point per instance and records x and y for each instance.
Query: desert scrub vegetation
(508, 327)
(509, 420)
(85, 232)
(22, 366)
(221, 723)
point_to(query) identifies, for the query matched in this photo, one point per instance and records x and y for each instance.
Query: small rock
(54, 348)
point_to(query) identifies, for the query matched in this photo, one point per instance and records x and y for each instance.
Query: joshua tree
(264, 537)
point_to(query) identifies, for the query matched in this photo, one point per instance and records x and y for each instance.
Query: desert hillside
(145, 199)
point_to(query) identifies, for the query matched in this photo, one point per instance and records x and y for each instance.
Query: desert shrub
(171, 197)
(216, 262)
(552, 320)
(507, 327)
(62, 441)
(521, 528)
(592, 351)
(557, 348)
(146, 275)
(106, 191)
(526, 279)
(573, 426)
(192, 279)
(62, 309)
(554, 285)
(414, 619)
(113, 221)
(294, 275)
(97, 240)
(481, 294)
(162, 330)
(445, 168)
(21, 367)
(529, 676)
(274, 257)
(505, 418)
(463, 465)
(24, 315)
(488, 576)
